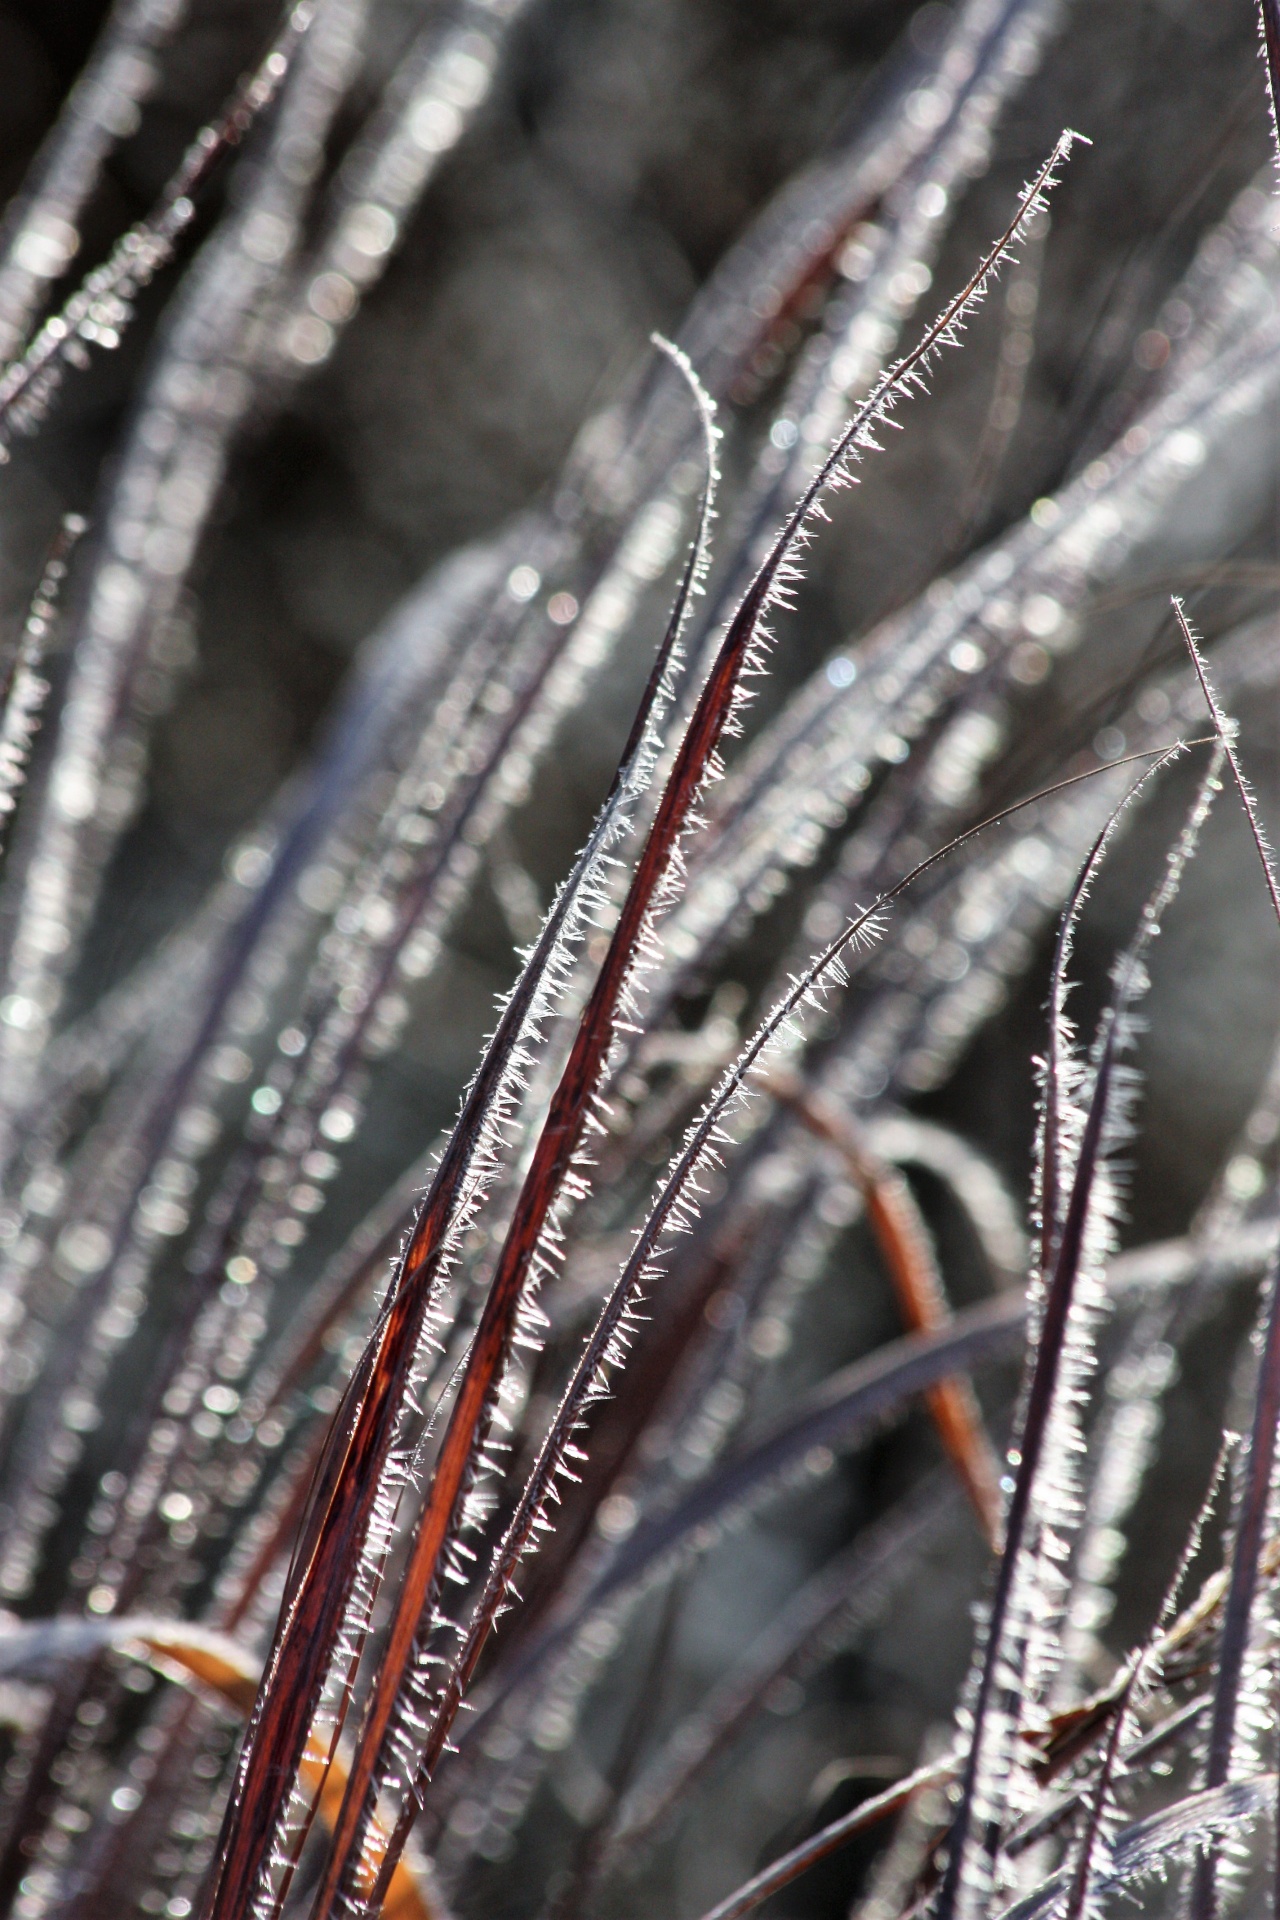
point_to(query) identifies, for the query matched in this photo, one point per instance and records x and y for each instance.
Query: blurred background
(624, 148)
(625, 145)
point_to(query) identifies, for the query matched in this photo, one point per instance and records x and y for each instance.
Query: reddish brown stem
(907, 1251)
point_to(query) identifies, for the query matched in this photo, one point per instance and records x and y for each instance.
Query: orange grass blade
(907, 1250)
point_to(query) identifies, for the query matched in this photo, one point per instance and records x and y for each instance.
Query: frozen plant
(363, 1507)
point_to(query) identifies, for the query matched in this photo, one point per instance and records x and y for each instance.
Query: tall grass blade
(326, 1573)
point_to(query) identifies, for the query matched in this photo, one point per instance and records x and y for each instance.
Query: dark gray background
(626, 146)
